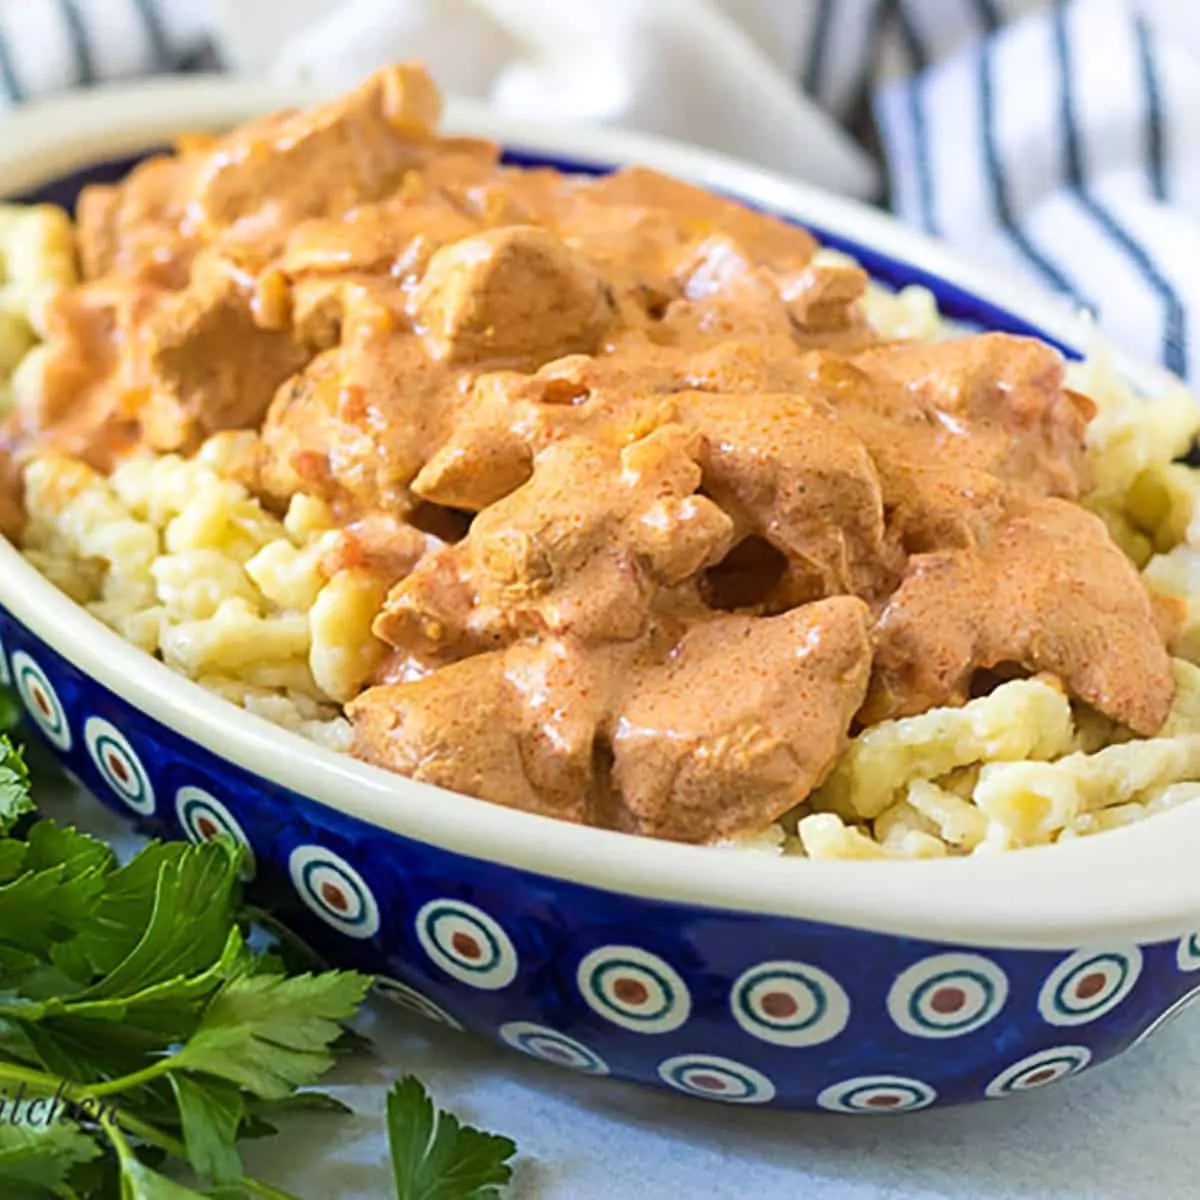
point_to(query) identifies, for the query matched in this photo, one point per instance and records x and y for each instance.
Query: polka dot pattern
(41, 701)
(119, 766)
(204, 817)
(1088, 984)
(1165, 1018)
(409, 998)
(789, 1004)
(634, 989)
(715, 1078)
(1037, 1070)
(876, 1095)
(947, 995)
(1187, 953)
(334, 890)
(541, 1042)
(467, 944)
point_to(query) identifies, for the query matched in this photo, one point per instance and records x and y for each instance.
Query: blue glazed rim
(1052, 897)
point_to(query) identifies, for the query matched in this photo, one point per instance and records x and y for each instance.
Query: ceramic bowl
(734, 976)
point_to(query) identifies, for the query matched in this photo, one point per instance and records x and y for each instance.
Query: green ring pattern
(364, 908)
(600, 972)
(449, 910)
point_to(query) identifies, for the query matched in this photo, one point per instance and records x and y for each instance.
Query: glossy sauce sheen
(713, 519)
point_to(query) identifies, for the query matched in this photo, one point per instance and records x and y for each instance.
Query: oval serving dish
(854, 987)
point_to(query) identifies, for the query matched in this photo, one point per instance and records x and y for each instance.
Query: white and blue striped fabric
(1064, 147)
(1058, 142)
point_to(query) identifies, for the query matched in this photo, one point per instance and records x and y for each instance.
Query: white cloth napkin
(1057, 142)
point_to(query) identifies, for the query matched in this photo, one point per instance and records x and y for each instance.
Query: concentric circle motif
(877, 1094)
(408, 997)
(334, 890)
(41, 700)
(634, 989)
(1187, 953)
(947, 995)
(789, 1004)
(467, 944)
(1185, 1001)
(119, 766)
(1037, 1070)
(554, 1047)
(204, 817)
(1089, 984)
(716, 1078)
(5, 673)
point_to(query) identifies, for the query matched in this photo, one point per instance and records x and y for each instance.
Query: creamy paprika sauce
(698, 521)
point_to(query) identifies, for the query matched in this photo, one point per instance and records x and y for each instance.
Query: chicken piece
(1052, 593)
(87, 392)
(512, 294)
(136, 226)
(378, 543)
(515, 727)
(737, 366)
(300, 426)
(698, 214)
(272, 173)
(509, 417)
(637, 248)
(824, 299)
(208, 364)
(741, 722)
(783, 468)
(364, 417)
(488, 453)
(124, 360)
(579, 550)
(725, 291)
(1002, 402)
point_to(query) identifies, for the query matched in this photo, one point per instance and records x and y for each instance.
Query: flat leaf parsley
(140, 1026)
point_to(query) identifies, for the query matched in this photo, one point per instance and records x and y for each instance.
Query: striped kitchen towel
(1057, 142)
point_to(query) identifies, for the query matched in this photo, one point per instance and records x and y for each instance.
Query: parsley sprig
(136, 1012)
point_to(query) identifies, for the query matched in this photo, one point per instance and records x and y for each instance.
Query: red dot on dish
(206, 827)
(630, 991)
(947, 1000)
(117, 766)
(710, 1083)
(466, 945)
(1042, 1076)
(779, 1005)
(1090, 985)
(39, 698)
(883, 1101)
(556, 1052)
(334, 897)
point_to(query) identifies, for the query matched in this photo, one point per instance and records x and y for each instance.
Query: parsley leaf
(211, 1114)
(434, 1157)
(136, 937)
(141, 1182)
(138, 986)
(15, 799)
(36, 1159)
(10, 711)
(270, 1034)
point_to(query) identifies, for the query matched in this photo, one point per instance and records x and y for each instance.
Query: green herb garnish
(138, 1026)
(437, 1158)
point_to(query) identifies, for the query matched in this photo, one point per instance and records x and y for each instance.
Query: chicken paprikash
(647, 517)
